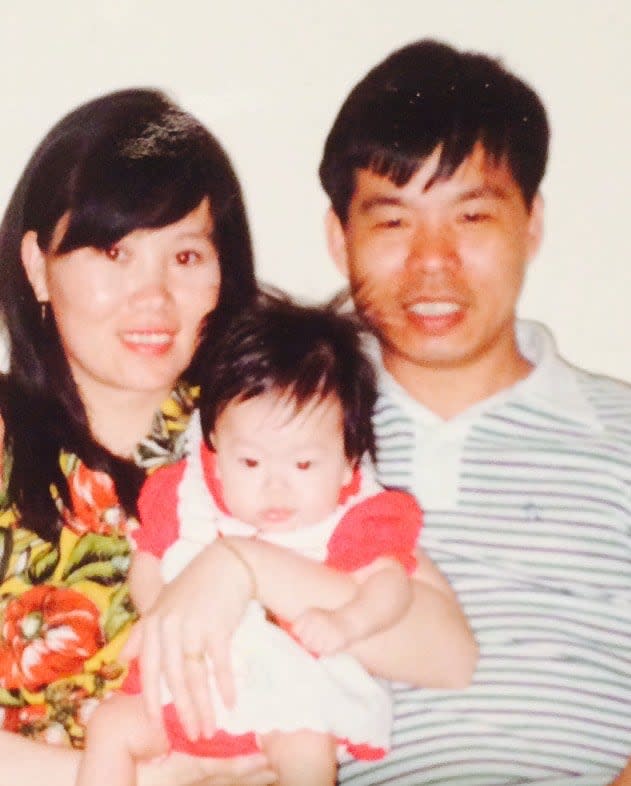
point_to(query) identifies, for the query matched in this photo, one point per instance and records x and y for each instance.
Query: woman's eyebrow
(195, 234)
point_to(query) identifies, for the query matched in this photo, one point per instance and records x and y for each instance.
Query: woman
(125, 231)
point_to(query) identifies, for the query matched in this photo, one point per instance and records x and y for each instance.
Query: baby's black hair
(304, 352)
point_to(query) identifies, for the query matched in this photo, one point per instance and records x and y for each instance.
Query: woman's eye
(249, 462)
(303, 464)
(113, 252)
(187, 257)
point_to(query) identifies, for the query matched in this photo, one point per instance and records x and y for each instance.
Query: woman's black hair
(305, 353)
(429, 95)
(127, 160)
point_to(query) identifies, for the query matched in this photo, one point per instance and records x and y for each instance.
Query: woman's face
(129, 317)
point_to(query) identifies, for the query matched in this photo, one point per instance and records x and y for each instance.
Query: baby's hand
(321, 631)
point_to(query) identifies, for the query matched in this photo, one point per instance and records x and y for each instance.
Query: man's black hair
(427, 95)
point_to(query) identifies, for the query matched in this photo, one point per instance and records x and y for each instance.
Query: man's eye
(390, 223)
(303, 464)
(475, 218)
(187, 257)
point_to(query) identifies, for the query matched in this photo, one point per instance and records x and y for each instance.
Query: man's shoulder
(609, 398)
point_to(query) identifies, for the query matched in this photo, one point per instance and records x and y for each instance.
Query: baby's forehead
(284, 413)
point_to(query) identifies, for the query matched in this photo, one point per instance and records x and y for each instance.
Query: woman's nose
(150, 278)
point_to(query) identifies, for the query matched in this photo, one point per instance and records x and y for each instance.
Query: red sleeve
(386, 525)
(157, 508)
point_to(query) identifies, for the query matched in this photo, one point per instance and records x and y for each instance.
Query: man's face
(437, 271)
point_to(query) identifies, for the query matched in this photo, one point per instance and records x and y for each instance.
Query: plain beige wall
(267, 77)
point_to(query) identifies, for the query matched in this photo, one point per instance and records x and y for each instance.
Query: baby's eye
(304, 464)
(249, 462)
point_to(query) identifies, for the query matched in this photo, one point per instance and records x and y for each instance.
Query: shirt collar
(552, 385)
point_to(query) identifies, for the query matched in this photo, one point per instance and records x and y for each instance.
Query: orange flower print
(48, 634)
(17, 719)
(95, 506)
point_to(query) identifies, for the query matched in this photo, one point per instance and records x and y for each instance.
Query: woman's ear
(34, 263)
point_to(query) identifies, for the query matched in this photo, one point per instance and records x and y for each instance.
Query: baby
(278, 453)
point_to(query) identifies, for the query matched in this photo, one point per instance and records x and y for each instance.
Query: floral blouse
(65, 609)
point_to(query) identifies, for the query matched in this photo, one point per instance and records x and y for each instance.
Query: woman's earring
(43, 311)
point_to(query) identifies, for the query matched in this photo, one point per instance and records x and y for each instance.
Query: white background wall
(267, 76)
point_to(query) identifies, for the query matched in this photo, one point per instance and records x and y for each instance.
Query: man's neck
(450, 390)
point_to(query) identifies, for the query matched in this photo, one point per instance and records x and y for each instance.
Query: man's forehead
(478, 169)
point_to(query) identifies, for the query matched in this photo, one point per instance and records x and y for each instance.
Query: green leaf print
(121, 611)
(42, 565)
(6, 547)
(11, 698)
(101, 558)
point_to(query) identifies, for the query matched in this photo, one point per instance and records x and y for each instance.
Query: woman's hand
(178, 769)
(188, 631)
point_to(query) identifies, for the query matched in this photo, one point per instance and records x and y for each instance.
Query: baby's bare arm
(119, 736)
(383, 596)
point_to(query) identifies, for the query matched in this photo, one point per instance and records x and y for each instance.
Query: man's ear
(34, 263)
(336, 241)
(535, 226)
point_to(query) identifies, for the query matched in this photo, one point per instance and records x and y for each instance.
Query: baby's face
(281, 469)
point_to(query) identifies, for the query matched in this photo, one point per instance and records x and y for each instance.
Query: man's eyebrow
(379, 200)
(482, 192)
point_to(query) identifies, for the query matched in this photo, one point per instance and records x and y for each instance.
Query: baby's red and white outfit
(279, 685)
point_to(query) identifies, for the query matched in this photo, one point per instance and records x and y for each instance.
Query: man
(522, 463)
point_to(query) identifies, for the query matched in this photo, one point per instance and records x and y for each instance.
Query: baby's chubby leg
(118, 735)
(302, 758)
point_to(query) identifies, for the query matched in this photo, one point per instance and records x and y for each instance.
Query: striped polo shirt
(527, 500)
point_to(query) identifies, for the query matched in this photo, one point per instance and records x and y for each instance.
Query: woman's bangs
(121, 198)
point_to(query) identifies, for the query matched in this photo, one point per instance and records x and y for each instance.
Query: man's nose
(432, 248)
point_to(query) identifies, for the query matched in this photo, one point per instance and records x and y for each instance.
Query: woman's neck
(119, 422)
